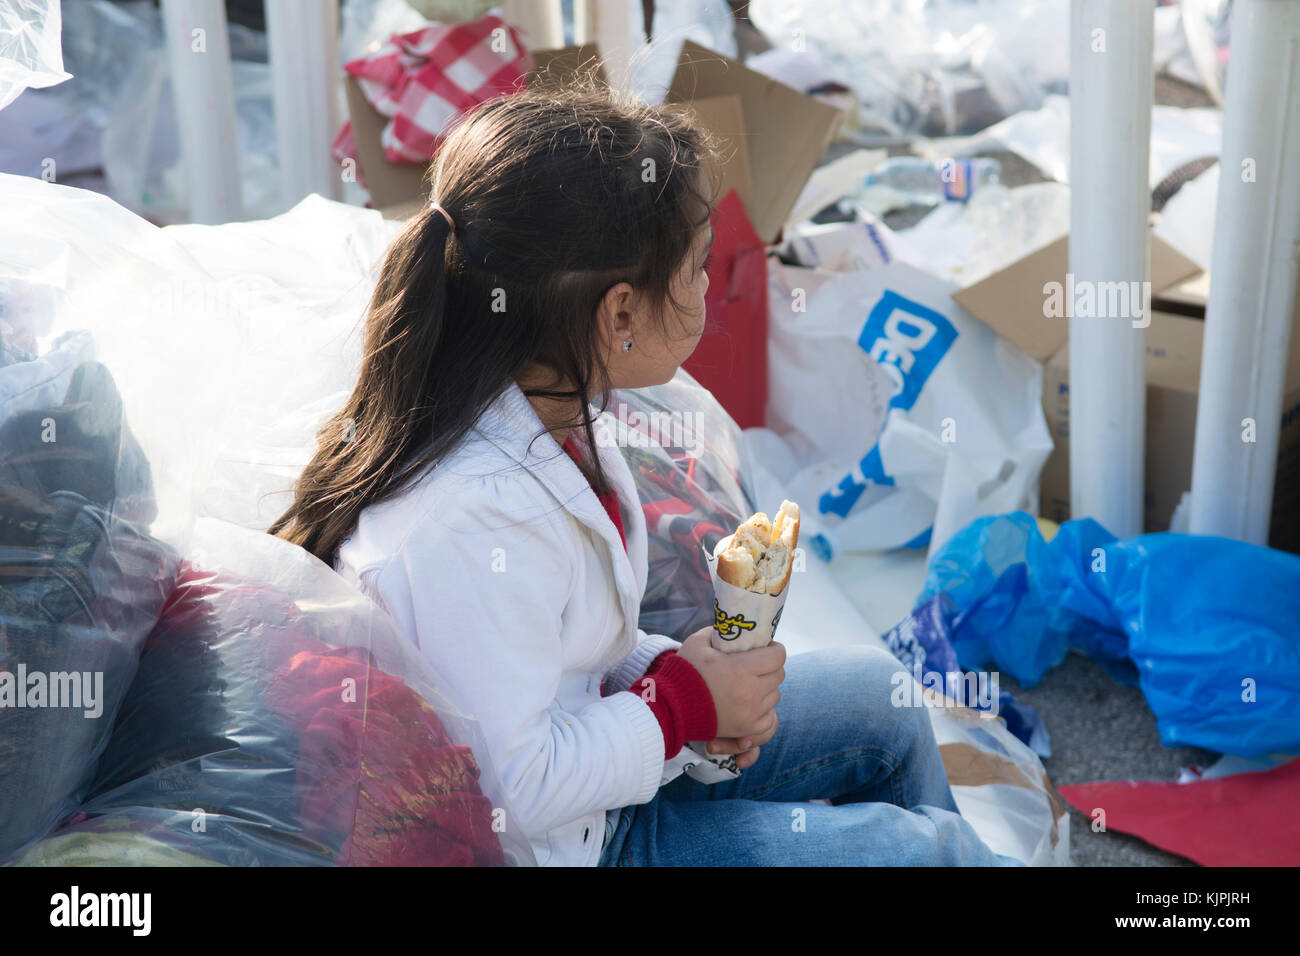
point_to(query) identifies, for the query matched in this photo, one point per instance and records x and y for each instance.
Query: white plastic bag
(30, 55)
(863, 243)
(912, 417)
(1000, 786)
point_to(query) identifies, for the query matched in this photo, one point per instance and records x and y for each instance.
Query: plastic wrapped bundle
(278, 718)
(689, 464)
(29, 47)
(931, 67)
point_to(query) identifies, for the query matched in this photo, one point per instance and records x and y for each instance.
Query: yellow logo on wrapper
(729, 628)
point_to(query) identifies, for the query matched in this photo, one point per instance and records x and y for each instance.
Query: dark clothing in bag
(81, 586)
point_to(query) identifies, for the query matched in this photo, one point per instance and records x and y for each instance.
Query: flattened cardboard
(786, 131)
(388, 183)
(1191, 297)
(1011, 300)
(722, 115)
(1173, 368)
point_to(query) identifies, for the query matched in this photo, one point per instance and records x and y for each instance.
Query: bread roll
(760, 555)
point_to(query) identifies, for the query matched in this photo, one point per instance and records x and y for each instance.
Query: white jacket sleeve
(484, 590)
(648, 647)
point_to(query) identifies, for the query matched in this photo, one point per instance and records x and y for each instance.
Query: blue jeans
(839, 738)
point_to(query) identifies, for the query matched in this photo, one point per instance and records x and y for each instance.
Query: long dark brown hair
(556, 195)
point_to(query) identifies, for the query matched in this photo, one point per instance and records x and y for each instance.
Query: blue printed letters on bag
(908, 341)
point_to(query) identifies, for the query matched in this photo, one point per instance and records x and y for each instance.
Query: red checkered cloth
(424, 80)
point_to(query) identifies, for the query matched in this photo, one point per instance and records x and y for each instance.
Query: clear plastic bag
(1000, 786)
(30, 54)
(84, 582)
(933, 67)
(690, 468)
(278, 718)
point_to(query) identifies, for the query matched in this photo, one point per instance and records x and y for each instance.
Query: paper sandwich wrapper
(741, 620)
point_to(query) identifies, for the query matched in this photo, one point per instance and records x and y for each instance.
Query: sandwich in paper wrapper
(751, 577)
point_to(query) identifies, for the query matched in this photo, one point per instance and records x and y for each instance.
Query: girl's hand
(746, 749)
(744, 686)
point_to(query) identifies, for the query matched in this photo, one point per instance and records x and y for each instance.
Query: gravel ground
(1102, 730)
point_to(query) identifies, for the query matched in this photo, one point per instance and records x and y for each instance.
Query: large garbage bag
(277, 718)
(1208, 627)
(906, 415)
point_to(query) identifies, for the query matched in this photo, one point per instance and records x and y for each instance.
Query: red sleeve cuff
(680, 700)
(658, 662)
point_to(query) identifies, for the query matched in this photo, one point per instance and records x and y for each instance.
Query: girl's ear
(615, 315)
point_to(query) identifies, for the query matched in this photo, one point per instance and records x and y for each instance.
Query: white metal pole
(584, 21)
(540, 21)
(304, 42)
(1111, 92)
(1253, 277)
(617, 34)
(198, 52)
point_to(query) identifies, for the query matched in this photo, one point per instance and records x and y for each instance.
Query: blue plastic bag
(1208, 627)
(920, 642)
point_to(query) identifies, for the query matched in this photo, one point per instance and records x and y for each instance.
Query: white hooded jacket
(504, 569)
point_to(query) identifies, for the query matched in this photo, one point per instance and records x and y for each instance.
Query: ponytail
(368, 450)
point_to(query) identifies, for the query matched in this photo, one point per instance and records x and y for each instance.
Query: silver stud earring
(627, 345)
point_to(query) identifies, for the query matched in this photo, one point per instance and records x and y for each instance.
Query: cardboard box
(784, 132)
(1173, 383)
(1011, 302)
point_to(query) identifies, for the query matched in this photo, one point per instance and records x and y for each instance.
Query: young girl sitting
(472, 486)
